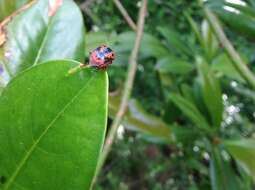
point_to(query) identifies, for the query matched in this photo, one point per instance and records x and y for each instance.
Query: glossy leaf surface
(35, 35)
(52, 127)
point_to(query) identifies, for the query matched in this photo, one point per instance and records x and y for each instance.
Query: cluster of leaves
(191, 87)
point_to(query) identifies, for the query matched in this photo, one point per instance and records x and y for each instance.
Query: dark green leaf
(211, 93)
(243, 150)
(222, 175)
(33, 36)
(190, 110)
(52, 127)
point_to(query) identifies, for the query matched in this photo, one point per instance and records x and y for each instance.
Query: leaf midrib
(37, 141)
(42, 45)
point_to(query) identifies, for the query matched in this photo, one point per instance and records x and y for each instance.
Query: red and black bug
(101, 57)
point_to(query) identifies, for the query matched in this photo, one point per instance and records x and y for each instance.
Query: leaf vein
(33, 147)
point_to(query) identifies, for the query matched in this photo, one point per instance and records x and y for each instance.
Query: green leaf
(222, 175)
(187, 92)
(150, 46)
(243, 150)
(240, 21)
(195, 29)
(211, 93)
(137, 118)
(174, 65)
(52, 127)
(33, 37)
(9, 6)
(190, 110)
(211, 45)
(174, 40)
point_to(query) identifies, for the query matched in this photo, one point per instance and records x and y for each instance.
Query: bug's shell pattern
(101, 57)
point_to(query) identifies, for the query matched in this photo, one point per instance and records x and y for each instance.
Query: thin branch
(125, 14)
(127, 88)
(237, 61)
(86, 4)
(85, 7)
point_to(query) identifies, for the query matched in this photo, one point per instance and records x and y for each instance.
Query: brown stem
(237, 61)
(125, 14)
(127, 88)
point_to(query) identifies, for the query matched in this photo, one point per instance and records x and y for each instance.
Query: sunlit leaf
(52, 127)
(34, 36)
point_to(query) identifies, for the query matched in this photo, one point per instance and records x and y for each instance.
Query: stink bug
(101, 57)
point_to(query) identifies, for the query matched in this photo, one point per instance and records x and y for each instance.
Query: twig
(125, 14)
(127, 88)
(86, 4)
(85, 7)
(237, 61)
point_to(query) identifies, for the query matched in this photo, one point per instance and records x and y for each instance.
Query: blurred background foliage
(190, 122)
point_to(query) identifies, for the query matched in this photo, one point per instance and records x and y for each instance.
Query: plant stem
(127, 88)
(237, 61)
(125, 14)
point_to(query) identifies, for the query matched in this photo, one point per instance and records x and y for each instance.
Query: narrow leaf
(190, 110)
(222, 175)
(211, 93)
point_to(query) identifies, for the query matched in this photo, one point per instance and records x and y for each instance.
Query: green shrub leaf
(243, 150)
(138, 119)
(211, 93)
(222, 175)
(173, 65)
(52, 127)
